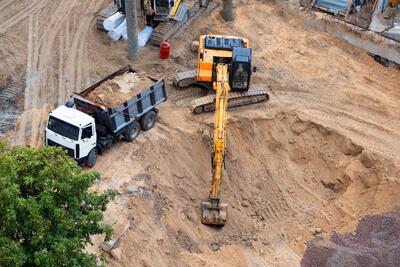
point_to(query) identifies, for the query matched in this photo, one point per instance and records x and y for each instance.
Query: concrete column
(227, 10)
(130, 12)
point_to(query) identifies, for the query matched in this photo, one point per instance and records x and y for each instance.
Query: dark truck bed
(118, 117)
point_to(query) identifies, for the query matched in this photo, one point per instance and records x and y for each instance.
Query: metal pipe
(227, 10)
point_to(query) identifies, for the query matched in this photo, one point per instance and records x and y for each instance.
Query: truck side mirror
(70, 103)
(254, 69)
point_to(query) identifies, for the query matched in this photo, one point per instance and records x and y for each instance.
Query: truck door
(88, 140)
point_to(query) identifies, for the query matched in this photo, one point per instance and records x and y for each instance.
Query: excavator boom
(213, 212)
(224, 65)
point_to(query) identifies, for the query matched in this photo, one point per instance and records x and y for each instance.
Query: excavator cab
(165, 9)
(241, 71)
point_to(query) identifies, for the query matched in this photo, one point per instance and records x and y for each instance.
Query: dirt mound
(120, 89)
(301, 176)
(376, 242)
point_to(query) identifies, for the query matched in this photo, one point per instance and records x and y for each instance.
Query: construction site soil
(120, 89)
(321, 155)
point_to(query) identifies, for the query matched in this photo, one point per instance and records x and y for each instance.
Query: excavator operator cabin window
(162, 7)
(240, 76)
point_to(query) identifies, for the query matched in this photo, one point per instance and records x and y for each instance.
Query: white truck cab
(72, 130)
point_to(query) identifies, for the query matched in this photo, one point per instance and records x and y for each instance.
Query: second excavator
(224, 64)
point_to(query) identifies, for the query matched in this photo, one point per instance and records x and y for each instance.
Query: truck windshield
(63, 128)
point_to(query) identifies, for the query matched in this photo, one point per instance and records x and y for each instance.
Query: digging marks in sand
(375, 131)
(286, 175)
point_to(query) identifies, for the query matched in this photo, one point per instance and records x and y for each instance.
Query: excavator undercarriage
(184, 80)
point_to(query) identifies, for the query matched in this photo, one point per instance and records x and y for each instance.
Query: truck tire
(132, 132)
(148, 120)
(92, 158)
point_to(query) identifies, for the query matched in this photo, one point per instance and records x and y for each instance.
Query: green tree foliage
(47, 213)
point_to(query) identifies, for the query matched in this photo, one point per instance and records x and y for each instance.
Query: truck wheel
(132, 132)
(148, 120)
(92, 158)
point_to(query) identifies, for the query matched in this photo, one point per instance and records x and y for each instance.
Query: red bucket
(165, 49)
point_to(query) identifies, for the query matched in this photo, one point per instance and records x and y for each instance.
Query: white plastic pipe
(116, 34)
(113, 22)
(143, 36)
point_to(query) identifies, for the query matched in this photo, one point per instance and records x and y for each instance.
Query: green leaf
(47, 213)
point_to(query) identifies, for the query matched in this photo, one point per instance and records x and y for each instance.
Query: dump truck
(116, 108)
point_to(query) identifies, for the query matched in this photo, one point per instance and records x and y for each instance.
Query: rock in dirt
(368, 159)
(376, 242)
(205, 135)
(110, 245)
(299, 239)
(214, 246)
(317, 231)
(194, 46)
(116, 253)
(337, 185)
(350, 149)
(369, 180)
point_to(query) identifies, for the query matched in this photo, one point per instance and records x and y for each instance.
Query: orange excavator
(225, 65)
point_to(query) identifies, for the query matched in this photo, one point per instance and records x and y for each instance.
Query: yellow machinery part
(213, 212)
(221, 101)
(206, 57)
(175, 8)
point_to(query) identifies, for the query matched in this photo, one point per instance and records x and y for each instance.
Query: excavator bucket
(214, 214)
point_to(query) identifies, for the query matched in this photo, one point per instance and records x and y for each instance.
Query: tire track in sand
(56, 64)
(31, 85)
(75, 66)
(29, 120)
(48, 92)
(40, 59)
(22, 14)
(6, 4)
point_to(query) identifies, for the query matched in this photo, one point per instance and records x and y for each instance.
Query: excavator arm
(215, 213)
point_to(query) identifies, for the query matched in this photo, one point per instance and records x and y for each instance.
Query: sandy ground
(319, 156)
